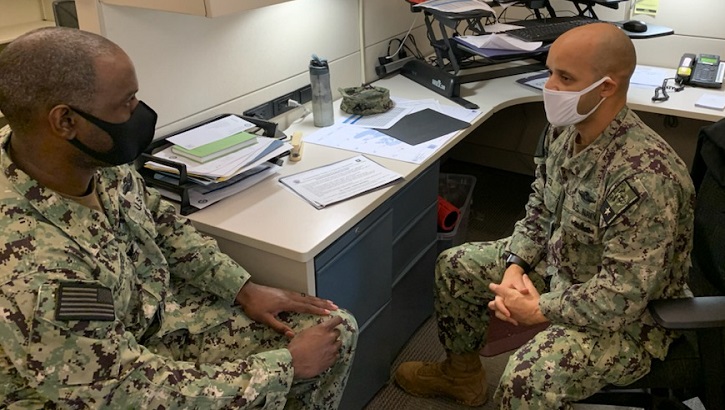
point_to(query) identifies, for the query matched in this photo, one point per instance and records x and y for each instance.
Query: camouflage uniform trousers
(241, 337)
(560, 365)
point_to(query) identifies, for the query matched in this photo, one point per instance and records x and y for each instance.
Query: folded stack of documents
(221, 159)
(499, 44)
(216, 149)
(456, 6)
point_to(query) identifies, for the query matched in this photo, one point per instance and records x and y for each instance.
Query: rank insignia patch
(84, 301)
(621, 198)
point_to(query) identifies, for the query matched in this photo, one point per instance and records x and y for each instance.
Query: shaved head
(604, 48)
(47, 67)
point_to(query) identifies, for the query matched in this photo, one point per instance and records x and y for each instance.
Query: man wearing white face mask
(608, 226)
(562, 107)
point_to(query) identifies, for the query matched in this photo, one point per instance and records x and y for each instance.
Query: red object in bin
(448, 214)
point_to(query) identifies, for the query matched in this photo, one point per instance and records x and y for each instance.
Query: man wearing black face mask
(108, 298)
(130, 138)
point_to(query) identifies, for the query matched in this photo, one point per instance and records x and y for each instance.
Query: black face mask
(129, 138)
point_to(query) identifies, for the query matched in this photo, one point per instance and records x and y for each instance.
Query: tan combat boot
(459, 377)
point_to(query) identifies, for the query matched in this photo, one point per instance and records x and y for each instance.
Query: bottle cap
(318, 62)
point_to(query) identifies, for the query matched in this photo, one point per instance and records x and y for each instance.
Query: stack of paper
(223, 168)
(216, 149)
(355, 134)
(203, 195)
(711, 100)
(456, 6)
(494, 45)
(228, 159)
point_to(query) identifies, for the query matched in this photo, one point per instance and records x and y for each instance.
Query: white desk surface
(269, 218)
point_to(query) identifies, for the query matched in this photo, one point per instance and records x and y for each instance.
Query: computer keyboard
(548, 31)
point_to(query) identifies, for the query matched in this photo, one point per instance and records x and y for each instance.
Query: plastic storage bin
(458, 190)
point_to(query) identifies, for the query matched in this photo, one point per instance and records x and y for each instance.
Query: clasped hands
(516, 299)
(314, 349)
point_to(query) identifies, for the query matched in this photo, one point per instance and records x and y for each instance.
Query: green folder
(217, 148)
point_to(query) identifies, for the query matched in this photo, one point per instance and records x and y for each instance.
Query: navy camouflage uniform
(609, 228)
(159, 331)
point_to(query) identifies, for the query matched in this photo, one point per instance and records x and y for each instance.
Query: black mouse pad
(423, 126)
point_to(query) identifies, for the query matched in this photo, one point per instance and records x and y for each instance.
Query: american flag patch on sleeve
(84, 301)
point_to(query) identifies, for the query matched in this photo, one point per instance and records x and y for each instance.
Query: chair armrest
(689, 313)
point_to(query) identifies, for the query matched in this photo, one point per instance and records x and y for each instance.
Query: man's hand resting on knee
(264, 303)
(315, 349)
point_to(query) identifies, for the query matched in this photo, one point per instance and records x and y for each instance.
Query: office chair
(695, 363)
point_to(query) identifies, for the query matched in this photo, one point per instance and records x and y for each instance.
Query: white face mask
(561, 106)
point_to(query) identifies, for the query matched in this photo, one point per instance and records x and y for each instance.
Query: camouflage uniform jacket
(140, 250)
(612, 227)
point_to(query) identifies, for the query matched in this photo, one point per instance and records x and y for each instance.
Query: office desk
(373, 254)
(269, 223)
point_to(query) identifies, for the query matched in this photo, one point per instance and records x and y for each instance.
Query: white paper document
(201, 198)
(645, 76)
(499, 27)
(383, 120)
(211, 132)
(710, 100)
(373, 142)
(456, 6)
(455, 111)
(501, 42)
(339, 181)
(536, 81)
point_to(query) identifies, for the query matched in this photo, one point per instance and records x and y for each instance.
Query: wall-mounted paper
(647, 7)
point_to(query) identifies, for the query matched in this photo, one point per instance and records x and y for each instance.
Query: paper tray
(179, 192)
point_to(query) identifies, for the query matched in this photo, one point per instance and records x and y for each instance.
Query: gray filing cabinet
(382, 271)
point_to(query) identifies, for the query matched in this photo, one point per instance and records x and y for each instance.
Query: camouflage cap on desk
(365, 100)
